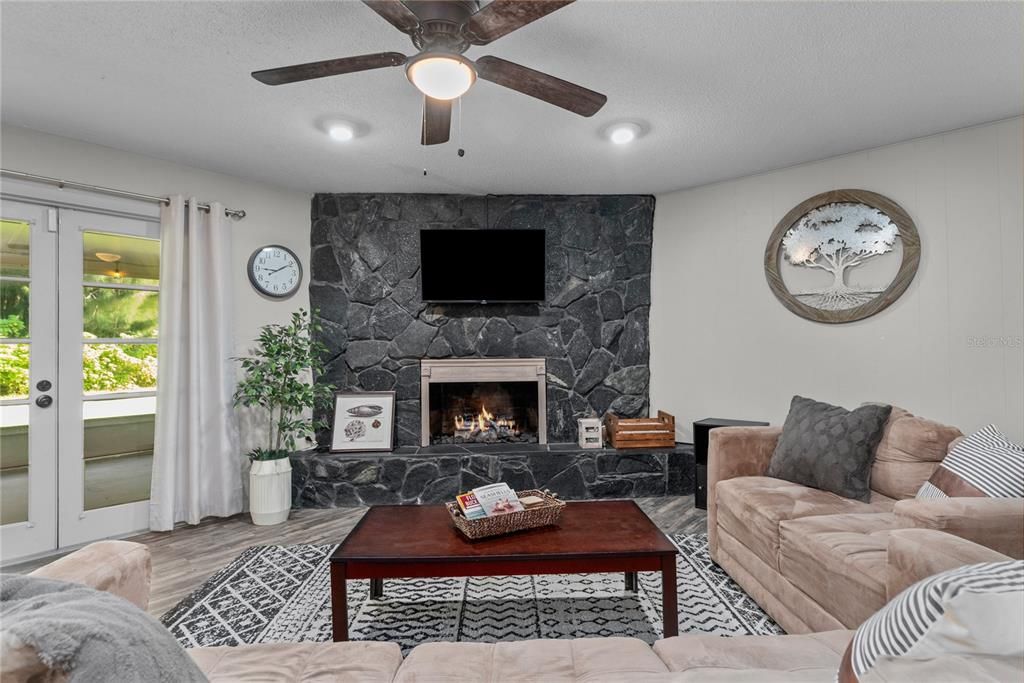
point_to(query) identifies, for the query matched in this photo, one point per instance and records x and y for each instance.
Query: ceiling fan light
(440, 76)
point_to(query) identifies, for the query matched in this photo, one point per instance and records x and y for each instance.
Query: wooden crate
(645, 432)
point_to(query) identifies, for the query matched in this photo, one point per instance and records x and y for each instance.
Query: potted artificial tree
(277, 380)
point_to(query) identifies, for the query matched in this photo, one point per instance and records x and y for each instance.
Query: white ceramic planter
(270, 491)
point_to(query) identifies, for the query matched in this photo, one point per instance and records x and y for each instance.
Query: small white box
(591, 432)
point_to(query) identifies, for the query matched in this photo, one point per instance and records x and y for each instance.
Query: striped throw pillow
(974, 610)
(985, 464)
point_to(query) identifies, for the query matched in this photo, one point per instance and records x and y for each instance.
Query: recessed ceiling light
(342, 132)
(623, 133)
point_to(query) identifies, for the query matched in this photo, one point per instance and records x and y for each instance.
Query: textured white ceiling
(723, 89)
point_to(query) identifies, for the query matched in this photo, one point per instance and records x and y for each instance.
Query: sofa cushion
(829, 447)
(778, 653)
(997, 523)
(839, 561)
(552, 661)
(354, 662)
(910, 450)
(946, 669)
(915, 554)
(750, 509)
(782, 601)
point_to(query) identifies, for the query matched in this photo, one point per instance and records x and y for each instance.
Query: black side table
(700, 446)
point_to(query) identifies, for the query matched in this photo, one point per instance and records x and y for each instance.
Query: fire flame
(483, 421)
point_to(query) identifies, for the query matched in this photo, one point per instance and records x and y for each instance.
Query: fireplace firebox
(483, 400)
(483, 412)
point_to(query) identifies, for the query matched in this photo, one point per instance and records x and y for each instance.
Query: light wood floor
(187, 556)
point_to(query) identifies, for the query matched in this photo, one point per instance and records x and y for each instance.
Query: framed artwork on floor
(363, 421)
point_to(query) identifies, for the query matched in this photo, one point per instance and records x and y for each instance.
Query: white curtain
(196, 460)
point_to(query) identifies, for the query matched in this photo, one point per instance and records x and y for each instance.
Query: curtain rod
(6, 173)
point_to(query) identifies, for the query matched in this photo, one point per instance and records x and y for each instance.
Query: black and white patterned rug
(282, 593)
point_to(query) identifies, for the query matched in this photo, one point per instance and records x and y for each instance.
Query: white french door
(28, 373)
(81, 403)
(108, 298)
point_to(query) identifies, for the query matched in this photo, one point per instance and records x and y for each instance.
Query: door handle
(44, 401)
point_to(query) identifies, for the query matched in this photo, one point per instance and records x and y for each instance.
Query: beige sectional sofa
(816, 561)
(123, 568)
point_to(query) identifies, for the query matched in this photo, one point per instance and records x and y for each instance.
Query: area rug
(282, 593)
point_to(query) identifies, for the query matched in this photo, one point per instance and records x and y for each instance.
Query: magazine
(497, 499)
(469, 505)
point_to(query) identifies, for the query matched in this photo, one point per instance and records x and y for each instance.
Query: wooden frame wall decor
(906, 232)
(363, 421)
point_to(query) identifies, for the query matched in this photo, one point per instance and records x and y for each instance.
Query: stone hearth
(435, 474)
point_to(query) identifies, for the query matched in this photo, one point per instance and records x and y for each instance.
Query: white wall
(950, 348)
(273, 215)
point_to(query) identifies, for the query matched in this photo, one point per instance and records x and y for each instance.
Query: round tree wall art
(842, 256)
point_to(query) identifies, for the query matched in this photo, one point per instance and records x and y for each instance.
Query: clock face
(275, 271)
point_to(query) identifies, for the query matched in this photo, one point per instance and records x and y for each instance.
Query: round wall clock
(275, 271)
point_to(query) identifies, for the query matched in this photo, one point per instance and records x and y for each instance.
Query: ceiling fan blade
(437, 121)
(564, 94)
(501, 17)
(329, 67)
(395, 13)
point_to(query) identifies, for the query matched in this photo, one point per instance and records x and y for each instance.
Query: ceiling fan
(442, 30)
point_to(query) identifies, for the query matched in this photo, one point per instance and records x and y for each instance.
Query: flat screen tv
(482, 266)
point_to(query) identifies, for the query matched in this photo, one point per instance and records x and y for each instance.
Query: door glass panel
(14, 463)
(14, 371)
(120, 259)
(120, 304)
(114, 368)
(14, 309)
(118, 450)
(14, 243)
(120, 313)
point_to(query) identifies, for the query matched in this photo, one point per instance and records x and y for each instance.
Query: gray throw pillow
(829, 447)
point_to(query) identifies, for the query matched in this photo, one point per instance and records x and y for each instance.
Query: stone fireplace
(591, 329)
(483, 400)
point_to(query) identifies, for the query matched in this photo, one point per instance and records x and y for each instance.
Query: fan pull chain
(462, 152)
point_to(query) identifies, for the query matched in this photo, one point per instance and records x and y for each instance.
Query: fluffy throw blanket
(89, 634)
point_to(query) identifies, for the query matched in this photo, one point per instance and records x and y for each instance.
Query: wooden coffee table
(413, 541)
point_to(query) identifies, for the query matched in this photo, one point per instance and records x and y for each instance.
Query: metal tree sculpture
(835, 238)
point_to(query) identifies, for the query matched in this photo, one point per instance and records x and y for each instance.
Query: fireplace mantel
(482, 370)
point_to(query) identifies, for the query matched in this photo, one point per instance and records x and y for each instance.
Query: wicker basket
(542, 515)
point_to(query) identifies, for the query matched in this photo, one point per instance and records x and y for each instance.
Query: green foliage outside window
(12, 327)
(13, 370)
(107, 313)
(13, 309)
(113, 313)
(105, 368)
(118, 367)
